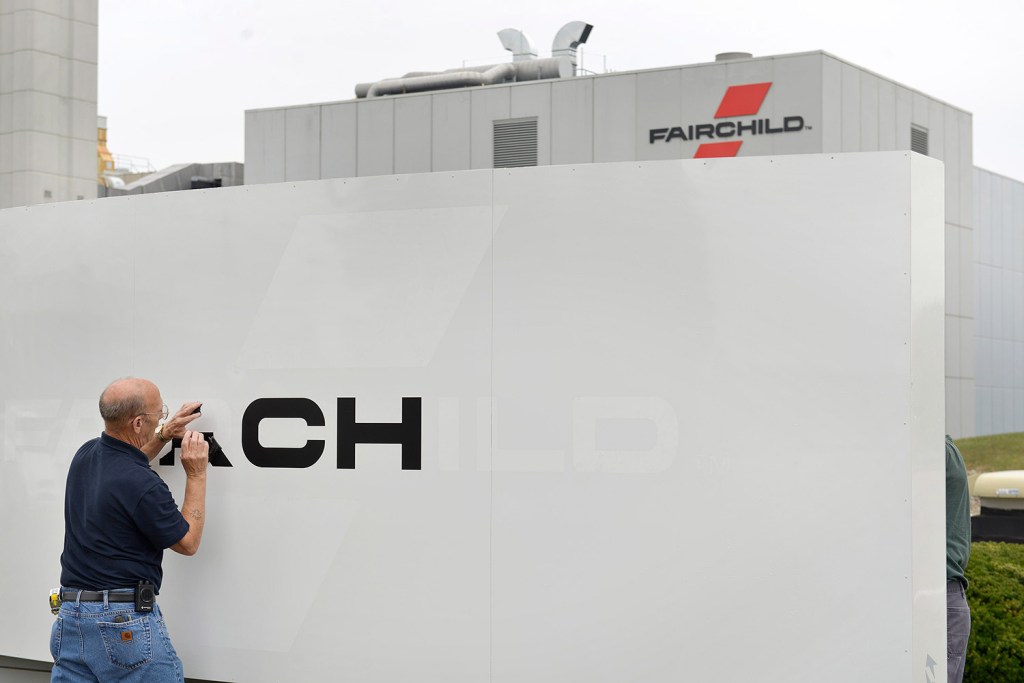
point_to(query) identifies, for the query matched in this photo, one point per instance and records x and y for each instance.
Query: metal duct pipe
(532, 70)
(442, 81)
(538, 69)
(568, 38)
(490, 74)
(363, 88)
(516, 42)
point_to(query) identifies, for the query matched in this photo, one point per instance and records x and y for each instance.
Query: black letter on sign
(269, 408)
(406, 432)
(217, 457)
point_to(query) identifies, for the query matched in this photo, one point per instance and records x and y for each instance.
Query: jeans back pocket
(129, 644)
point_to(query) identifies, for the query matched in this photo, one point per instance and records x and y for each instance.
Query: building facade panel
(904, 116)
(887, 115)
(85, 11)
(954, 403)
(966, 170)
(451, 117)
(534, 99)
(47, 100)
(84, 41)
(572, 121)
(951, 158)
(968, 350)
(43, 31)
(937, 133)
(983, 216)
(338, 140)
(952, 268)
(80, 152)
(30, 70)
(796, 91)
(615, 117)
(660, 102)
(1018, 365)
(83, 80)
(33, 150)
(869, 112)
(265, 146)
(952, 347)
(6, 31)
(831, 104)
(999, 236)
(413, 134)
(920, 111)
(968, 277)
(375, 133)
(302, 143)
(488, 105)
(6, 152)
(850, 108)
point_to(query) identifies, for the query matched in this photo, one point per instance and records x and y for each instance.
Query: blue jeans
(110, 641)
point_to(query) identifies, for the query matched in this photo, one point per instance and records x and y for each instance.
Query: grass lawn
(993, 453)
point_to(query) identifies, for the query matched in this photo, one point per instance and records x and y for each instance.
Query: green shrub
(995, 653)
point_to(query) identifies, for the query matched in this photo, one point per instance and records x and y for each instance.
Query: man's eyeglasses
(163, 413)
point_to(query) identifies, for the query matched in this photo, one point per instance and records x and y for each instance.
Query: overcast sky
(175, 78)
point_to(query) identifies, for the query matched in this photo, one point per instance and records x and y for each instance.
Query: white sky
(175, 78)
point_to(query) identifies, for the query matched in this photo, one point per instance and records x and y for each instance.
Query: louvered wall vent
(919, 140)
(515, 142)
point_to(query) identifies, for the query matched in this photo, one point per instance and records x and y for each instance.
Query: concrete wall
(48, 139)
(999, 261)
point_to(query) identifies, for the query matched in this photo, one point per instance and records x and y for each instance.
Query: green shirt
(958, 515)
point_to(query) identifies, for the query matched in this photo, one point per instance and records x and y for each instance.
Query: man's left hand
(174, 428)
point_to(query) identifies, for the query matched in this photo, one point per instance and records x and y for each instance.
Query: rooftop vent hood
(524, 66)
(516, 42)
(730, 56)
(571, 36)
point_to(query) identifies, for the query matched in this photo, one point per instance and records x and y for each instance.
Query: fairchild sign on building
(739, 100)
(777, 105)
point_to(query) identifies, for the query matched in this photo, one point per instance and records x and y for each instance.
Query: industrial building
(737, 105)
(536, 111)
(515, 536)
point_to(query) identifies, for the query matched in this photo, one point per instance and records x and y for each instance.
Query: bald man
(119, 516)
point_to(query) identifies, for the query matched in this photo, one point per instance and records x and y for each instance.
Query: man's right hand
(195, 454)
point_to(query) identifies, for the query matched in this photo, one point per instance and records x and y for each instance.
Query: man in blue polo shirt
(119, 516)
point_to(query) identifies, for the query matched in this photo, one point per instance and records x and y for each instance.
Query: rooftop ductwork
(524, 66)
(516, 42)
(569, 37)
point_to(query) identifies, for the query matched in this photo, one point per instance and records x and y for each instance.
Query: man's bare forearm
(194, 512)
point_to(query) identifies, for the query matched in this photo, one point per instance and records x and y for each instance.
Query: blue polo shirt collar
(124, 447)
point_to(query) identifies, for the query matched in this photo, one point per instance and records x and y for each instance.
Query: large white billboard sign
(655, 421)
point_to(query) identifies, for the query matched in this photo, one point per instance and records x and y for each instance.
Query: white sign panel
(650, 421)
